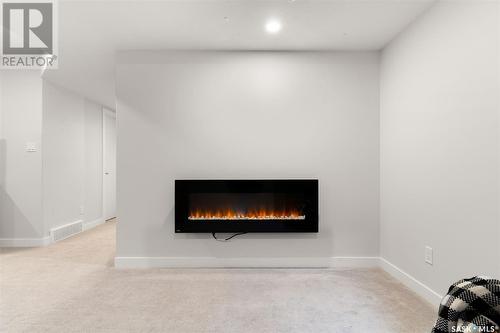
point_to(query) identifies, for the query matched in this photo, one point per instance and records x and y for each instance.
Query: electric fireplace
(246, 205)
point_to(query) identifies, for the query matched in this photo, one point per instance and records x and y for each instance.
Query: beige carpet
(72, 286)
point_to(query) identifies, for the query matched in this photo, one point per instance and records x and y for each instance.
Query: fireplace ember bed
(246, 205)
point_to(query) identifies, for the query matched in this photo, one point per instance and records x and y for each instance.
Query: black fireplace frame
(184, 187)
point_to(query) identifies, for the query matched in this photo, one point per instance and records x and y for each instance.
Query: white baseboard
(412, 283)
(25, 242)
(39, 242)
(244, 262)
(92, 224)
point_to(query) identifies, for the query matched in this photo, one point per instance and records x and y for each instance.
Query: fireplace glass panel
(247, 206)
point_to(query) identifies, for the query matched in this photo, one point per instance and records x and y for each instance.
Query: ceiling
(90, 32)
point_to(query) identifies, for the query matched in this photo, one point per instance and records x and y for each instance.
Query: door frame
(106, 112)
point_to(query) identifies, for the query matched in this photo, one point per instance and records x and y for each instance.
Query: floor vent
(66, 231)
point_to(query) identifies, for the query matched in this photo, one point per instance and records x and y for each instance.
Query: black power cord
(226, 239)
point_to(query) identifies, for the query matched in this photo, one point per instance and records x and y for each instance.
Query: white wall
(46, 188)
(72, 159)
(63, 157)
(20, 171)
(248, 115)
(93, 163)
(439, 144)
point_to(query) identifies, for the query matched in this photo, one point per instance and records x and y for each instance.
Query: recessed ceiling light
(273, 26)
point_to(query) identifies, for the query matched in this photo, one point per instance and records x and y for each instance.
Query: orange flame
(258, 214)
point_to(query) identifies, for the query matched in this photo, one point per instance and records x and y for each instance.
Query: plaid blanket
(471, 305)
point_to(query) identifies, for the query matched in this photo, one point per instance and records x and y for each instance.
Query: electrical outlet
(82, 210)
(428, 255)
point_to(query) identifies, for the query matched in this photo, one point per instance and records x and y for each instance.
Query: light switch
(31, 147)
(428, 255)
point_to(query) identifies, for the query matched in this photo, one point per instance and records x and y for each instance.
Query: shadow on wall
(12, 220)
